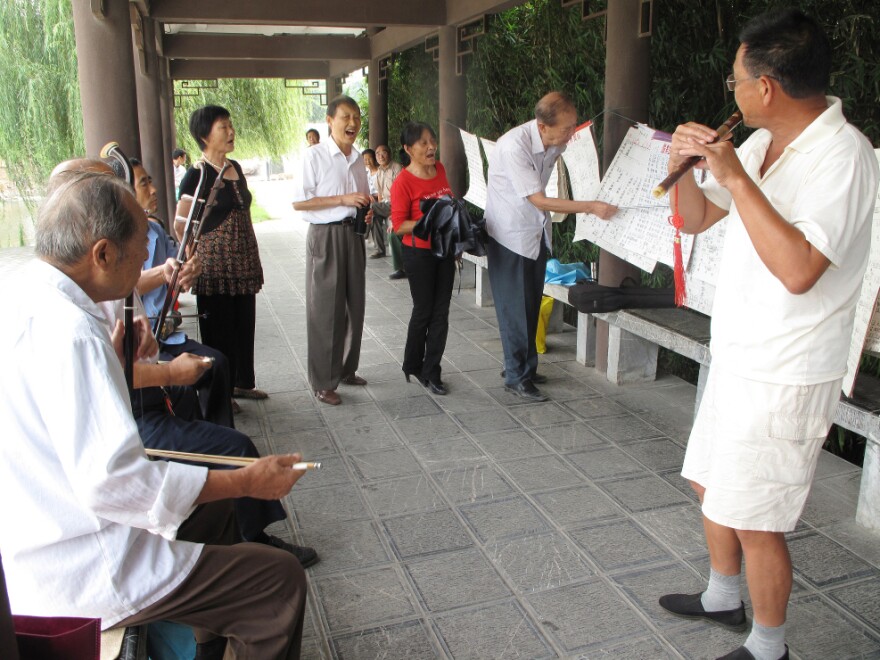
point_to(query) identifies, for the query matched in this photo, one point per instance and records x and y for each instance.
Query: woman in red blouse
(430, 279)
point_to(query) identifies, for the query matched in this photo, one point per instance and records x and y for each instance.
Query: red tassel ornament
(678, 269)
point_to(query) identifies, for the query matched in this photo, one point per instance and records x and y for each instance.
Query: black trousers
(517, 287)
(229, 327)
(430, 284)
(214, 388)
(160, 430)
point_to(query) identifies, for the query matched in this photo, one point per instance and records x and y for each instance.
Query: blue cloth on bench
(565, 274)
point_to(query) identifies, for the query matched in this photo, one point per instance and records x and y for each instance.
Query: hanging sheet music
(476, 193)
(582, 162)
(640, 232)
(866, 329)
(702, 270)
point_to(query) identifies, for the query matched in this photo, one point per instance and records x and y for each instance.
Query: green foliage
(413, 91)
(40, 113)
(269, 118)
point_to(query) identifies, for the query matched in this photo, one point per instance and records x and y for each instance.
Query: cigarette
(306, 466)
(208, 360)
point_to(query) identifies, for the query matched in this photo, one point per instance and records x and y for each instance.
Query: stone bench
(633, 340)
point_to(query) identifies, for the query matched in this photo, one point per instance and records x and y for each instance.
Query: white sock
(766, 643)
(722, 593)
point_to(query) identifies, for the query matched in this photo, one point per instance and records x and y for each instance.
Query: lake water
(16, 225)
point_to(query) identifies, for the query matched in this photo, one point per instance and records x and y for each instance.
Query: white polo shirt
(518, 167)
(825, 184)
(328, 172)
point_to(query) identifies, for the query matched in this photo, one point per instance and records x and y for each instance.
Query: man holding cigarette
(798, 196)
(96, 529)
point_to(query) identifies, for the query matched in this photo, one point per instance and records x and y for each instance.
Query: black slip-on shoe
(537, 379)
(742, 653)
(689, 606)
(397, 275)
(526, 390)
(306, 556)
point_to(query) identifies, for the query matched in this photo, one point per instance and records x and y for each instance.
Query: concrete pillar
(453, 113)
(333, 87)
(627, 58)
(149, 92)
(169, 135)
(106, 76)
(378, 91)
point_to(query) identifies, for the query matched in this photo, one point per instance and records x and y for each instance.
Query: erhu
(112, 150)
(189, 242)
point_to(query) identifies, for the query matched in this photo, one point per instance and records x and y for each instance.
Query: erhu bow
(189, 242)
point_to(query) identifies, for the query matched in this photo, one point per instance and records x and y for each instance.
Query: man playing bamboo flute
(93, 528)
(798, 196)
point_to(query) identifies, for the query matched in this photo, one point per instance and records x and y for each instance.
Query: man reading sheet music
(92, 528)
(518, 223)
(798, 196)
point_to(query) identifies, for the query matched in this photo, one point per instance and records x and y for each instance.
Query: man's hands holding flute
(720, 157)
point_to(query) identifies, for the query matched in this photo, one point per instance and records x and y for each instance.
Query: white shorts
(754, 448)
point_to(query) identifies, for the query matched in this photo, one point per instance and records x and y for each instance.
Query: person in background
(377, 235)
(313, 137)
(214, 388)
(798, 198)
(334, 187)
(178, 160)
(232, 274)
(520, 233)
(387, 172)
(430, 278)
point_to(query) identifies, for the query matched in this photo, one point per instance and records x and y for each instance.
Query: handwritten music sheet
(640, 232)
(476, 193)
(488, 148)
(582, 162)
(702, 270)
(866, 328)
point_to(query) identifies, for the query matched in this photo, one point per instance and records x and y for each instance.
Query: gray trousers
(335, 299)
(381, 211)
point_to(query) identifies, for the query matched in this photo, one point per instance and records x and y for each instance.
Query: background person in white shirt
(798, 196)
(97, 530)
(387, 172)
(178, 159)
(334, 186)
(520, 233)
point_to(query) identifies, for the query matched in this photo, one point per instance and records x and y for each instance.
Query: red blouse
(407, 192)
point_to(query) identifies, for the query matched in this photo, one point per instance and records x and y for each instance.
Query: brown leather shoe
(354, 379)
(330, 397)
(254, 393)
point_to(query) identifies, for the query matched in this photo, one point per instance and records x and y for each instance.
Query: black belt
(346, 221)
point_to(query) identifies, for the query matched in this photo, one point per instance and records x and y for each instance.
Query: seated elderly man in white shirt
(98, 530)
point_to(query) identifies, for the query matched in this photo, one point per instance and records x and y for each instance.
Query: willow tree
(40, 112)
(269, 118)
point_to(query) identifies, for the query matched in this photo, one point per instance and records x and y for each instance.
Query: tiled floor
(475, 525)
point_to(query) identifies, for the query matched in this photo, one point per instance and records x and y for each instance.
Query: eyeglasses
(731, 81)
